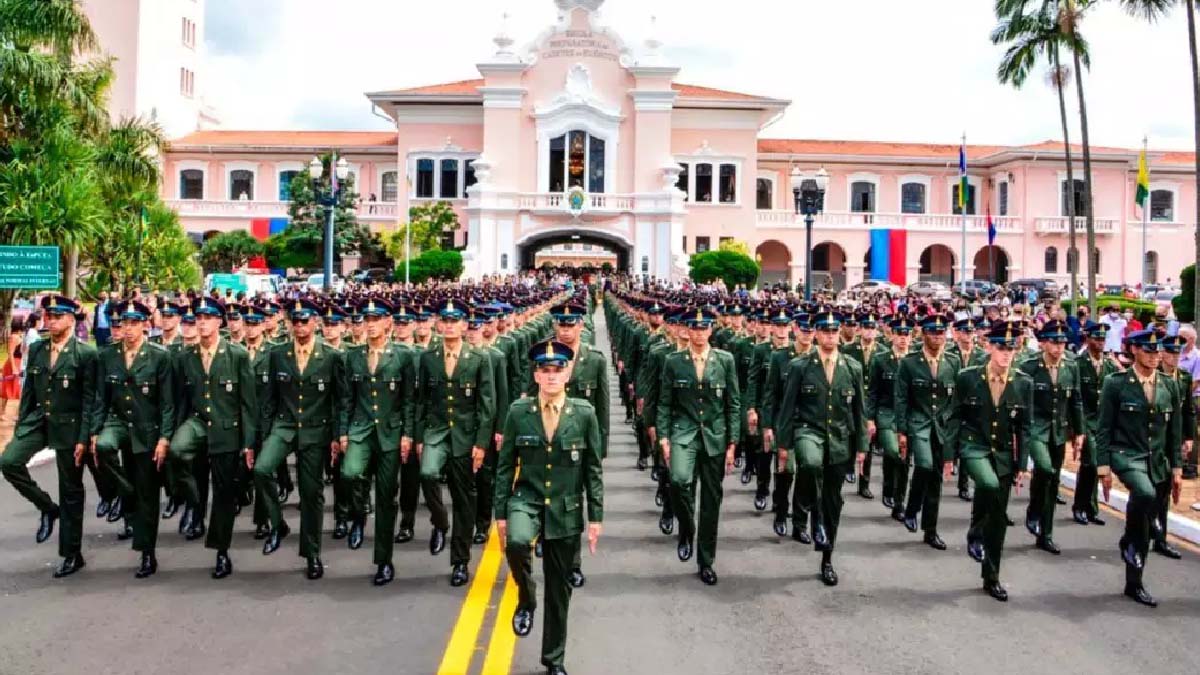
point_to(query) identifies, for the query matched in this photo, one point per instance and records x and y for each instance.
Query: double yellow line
(465, 639)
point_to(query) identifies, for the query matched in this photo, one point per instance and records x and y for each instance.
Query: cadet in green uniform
(648, 382)
(992, 406)
(821, 418)
(410, 463)
(802, 499)
(136, 417)
(758, 456)
(881, 416)
(924, 386)
(699, 414)
(257, 350)
(334, 325)
(1094, 367)
(55, 411)
(1057, 423)
(969, 355)
(1139, 439)
(563, 435)
(305, 413)
(863, 349)
(454, 415)
(480, 323)
(381, 378)
(1172, 347)
(219, 417)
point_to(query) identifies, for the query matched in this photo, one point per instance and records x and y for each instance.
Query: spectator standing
(100, 326)
(1116, 329)
(10, 372)
(1132, 323)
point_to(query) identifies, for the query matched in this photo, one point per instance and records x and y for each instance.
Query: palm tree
(1032, 37)
(1152, 10)
(1069, 17)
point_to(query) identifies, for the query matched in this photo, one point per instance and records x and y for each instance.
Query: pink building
(580, 137)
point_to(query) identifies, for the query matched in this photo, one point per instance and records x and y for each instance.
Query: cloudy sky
(912, 70)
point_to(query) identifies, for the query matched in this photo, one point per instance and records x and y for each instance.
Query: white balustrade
(1058, 225)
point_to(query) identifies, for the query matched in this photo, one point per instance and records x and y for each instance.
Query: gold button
(548, 466)
(375, 407)
(547, 501)
(300, 410)
(547, 483)
(208, 409)
(300, 425)
(452, 425)
(301, 397)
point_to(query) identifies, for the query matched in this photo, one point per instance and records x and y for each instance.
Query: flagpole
(962, 200)
(1145, 216)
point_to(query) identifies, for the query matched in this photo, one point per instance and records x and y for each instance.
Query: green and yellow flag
(1143, 181)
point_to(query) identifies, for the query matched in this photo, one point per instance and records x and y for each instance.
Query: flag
(962, 178)
(1143, 181)
(991, 227)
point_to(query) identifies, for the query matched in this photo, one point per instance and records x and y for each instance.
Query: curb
(1177, 525)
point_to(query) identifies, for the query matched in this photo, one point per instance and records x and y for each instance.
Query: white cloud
(867, 69)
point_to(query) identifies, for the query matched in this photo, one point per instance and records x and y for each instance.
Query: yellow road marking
(461, 649)
(504, 641)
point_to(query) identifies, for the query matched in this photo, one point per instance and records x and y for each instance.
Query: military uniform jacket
(922, 402)
(1090, 383)
(260, 365)
(140, 398)
(459, 409)
(703, 412)
(777, 369)
(650, 378)
(589, 381)
(1136, 432)
(224, 400)
(310, 405)
(829, 411)
(58, 401)
(1187, 404)
(881, 389)
(1057, 407)
(756, 380)
(534, 475)
(986, 430)
(857, 351)
(380, 401)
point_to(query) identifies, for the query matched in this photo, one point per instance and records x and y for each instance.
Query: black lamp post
(327, 196)
(810, 199)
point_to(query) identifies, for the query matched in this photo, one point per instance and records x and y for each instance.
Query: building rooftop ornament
(504, 43)
(565, 6)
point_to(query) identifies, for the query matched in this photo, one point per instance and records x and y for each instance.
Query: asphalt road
(901, 607)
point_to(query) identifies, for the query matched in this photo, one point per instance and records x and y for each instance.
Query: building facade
(582, 138)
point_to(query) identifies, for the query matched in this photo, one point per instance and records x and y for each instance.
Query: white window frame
(864, 177)
(1173, 188)
(716, 161)
(437, 157)
(381, 174)
(252, 167)
(1062, 176)
(972, 181)
(191, 164)
(773, 177)
(918, 178)
(280, 167)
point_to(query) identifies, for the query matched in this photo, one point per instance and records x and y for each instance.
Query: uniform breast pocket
(683, 384)
(282, 378)
(36, 370)
(889, 376)
(808, 389)
(920, 383)
(147, 387)
(572, 451)
(848, 395)
(66, 382)
(526, 446)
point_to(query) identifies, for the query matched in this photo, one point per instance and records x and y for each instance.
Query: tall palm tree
(1070, 15)
(1152, 10)
(1032, 37)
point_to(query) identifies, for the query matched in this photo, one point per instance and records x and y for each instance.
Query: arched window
(191, 184)
(764, 194)
(1051, 260)
(390, 186)
(1072, 260)
(285, 185)
(862, 197)
(241, 184)
(1162, 205)
(912, 198)
(577, 159)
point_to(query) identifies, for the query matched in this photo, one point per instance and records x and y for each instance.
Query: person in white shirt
(1116, 329)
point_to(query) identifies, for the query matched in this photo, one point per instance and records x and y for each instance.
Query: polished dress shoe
(1009, 522)
(1047, 544)
(261, 532)
(328, 480)
(459, 575)
(864, 490)
(340, 529)
(996, 590)
(437, 541)
(975, 550)
(196, 531)
(1060, 500)
(684, 549)
(70, 565)
(116, 510)
(898, 515)
(276, 538)
(800, 534)
(708, 575)
(659, 497)
(126, 533)
(170, 509)
(538, 551)
(641, 464)
(1130, 555)
(1165, 549)
(480, 537)
(576, 578)
(46, 525)
(1141, 596)
(1079, 517)
(888, 502)
(851, 477)
(384, 575)
(934, 541)
(910, 523)
(354, 540)
(666, 525)
(760, 503)
(1033, 525)
(1096, 520)
(316, 569)
(404, 536)
(654, 474)
(102, 508)
(556, 670)
(224, 566)
(747, 475)
(828, 576)
(148, 566)
(780, 525)
(821, 538)
(964, 495)
(185, 521)
(522, 621)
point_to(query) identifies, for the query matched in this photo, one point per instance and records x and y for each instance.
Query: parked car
(373, 275)
(1164, 297)
(874, 286)
(1047, 289)
(976, 289)
(317, 282)
(1119, 290)
(931, 289)
(1151, 291)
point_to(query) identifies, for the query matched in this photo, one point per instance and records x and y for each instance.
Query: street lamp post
(328, 198)
(810, 196)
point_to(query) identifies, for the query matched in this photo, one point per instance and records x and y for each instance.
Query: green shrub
(1185, 302)
(443, 265)
(729, 266)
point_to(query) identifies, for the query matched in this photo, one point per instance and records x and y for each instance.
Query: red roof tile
(870, 148)
(469, 87)
(306, 139)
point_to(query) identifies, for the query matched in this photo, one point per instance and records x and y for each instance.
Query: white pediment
(578, 98)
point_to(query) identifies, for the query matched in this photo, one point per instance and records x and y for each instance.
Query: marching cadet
(56, 412)
(258, 348)
(562, 434)
(381, 377)
(969, 355)
(992, 406)
(880, 409)
(644, 381)
(478, 321)
(304, 413)
(218, 414)
(455, 410)
(1057, 423)
(169, 316)
(821, 418)
(235, 326)
(863, 349)
(802, 500)
(410, 463)
(741, 345)
(1094, 367)
(647, 387)
(423, 336)
(924, 386)
(136, 418)
(699, 413)
(758, 458)
(333, 331)
(358, 328)
(1139, 440)
(1171, 348)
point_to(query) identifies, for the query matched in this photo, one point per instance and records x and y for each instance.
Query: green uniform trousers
(1143, 505)
(805, 498)
(523, 528)
(410, 490)
(925, 493)
(359, 457)
(137, 479)
(1043, 487)
(341, 489)
(895, 469)
(989, 512)
(70, 487)
(188, 445)
(309, 469)
(435, 459)
(485, 491)
(1087, 481)
(689, 465)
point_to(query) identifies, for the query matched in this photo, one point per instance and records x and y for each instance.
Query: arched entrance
(829, 266)
(776, 262)
(528, 249)
(991, 264)
(937, 264)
